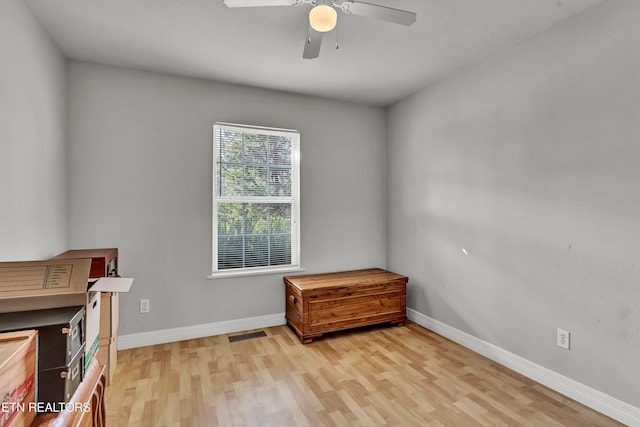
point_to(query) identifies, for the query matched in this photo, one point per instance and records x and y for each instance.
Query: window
(255, 199)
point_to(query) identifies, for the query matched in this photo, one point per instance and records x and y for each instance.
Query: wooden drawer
(329, 302)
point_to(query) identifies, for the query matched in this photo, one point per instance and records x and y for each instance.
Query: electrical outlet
(144, 306)
(563, 338)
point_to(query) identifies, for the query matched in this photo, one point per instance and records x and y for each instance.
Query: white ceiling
(378, 62)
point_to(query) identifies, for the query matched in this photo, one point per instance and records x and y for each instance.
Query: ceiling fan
(323, 16)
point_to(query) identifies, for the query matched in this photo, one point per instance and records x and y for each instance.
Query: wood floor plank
(397, 376)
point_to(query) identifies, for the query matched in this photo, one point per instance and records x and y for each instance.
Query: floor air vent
(247, 336)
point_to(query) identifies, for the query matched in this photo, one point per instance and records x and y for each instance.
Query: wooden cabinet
(320, 303)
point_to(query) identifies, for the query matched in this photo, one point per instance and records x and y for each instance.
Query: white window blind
(255, 198)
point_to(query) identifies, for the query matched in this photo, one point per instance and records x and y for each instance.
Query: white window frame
(294, 200)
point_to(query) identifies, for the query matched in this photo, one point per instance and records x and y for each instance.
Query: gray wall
(527, 161)
(140, 148)
(530, 162)
(33, 198)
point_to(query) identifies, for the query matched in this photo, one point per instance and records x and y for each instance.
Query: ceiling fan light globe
(323, 18)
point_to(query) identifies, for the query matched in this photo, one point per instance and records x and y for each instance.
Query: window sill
(254, 272)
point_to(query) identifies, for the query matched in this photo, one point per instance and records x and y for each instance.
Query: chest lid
(370, 276)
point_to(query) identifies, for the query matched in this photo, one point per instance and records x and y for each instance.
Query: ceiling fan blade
(398, 16)
(312, 44)
(255, 3)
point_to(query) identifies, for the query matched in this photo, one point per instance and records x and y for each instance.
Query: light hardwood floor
(389, 375)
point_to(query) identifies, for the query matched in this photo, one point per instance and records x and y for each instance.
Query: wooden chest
(320, 303)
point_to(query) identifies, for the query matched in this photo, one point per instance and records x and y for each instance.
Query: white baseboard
(603, 403)
(144, 339)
